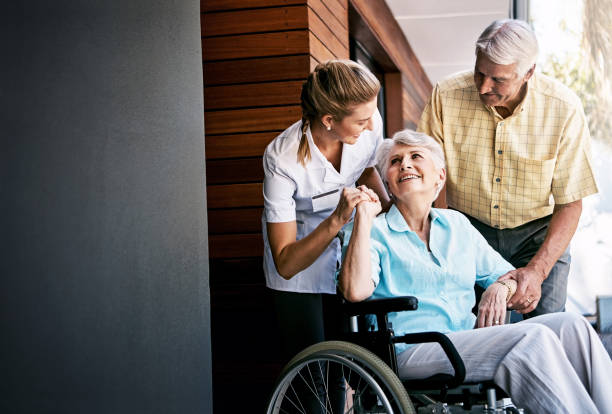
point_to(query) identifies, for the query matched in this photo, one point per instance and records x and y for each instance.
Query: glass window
(575, 47)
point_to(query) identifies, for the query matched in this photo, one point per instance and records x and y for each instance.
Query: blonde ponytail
(303, 154)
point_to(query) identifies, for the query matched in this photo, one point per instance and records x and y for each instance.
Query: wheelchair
(367, 362)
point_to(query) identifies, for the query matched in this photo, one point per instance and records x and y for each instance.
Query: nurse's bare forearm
(355, 280)
(291, 256)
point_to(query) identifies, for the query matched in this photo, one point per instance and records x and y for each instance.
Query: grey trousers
(553, 363)
(518, 246)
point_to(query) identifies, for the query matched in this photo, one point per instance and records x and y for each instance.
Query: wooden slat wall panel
(255, 20)
(239, 145)
(239, 220)
(216, 5)
(252, 95)
(343, 3)
(256, 45)
(318, 50)
(251, 120)
(235, 195)
(338, 10)
(336, 24)
(235, 245)
(256, 70)
(324, 34)
(241, 170)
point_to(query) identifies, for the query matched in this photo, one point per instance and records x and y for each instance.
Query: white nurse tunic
(308, 195)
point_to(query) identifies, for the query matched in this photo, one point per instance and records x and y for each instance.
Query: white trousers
(553, 363)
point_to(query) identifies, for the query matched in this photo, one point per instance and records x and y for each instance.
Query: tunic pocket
(326, 201)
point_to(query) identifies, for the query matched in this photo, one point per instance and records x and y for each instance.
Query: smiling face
(351, 126)
(499, 85)
(411, 171)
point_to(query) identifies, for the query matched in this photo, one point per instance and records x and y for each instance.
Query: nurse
(309, 195)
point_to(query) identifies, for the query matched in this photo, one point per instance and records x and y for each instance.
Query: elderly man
(518, 156)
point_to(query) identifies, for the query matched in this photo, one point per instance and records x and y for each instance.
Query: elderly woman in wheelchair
(553, 363)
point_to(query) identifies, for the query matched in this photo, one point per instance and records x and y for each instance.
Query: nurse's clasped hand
(291, 256)
(349, 198)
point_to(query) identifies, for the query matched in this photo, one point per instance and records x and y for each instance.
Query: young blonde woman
(311, 171)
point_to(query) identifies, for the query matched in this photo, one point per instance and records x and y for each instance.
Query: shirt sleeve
(278, 191)
(490, 265)
(573, 177)
(378, 137)
(431, 118)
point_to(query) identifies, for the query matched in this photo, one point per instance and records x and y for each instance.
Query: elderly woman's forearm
(355, 280)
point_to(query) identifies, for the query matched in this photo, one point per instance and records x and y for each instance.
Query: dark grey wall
(104, 284)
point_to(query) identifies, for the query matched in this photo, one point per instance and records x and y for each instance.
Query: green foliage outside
(589, 72)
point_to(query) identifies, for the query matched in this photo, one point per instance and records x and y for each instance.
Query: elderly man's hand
(529, 290)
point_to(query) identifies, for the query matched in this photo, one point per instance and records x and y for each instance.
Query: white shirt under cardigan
(308, 195)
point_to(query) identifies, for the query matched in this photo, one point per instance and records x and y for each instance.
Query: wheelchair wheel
(368, 384)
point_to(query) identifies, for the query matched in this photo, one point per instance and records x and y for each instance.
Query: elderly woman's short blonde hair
(409, 138)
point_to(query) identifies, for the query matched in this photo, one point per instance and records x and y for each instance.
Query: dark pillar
(104, 299)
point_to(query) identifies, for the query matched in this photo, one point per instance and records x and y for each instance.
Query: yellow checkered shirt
(507, 172)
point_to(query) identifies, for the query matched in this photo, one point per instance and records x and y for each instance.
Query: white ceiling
(442, 33)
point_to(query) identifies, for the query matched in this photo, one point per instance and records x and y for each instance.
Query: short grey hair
(408, 138)
(509, 41)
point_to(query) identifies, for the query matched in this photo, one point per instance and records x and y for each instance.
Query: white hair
(509, 41)
(409, 138)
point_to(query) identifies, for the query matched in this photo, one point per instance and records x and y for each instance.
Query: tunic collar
(318, 160)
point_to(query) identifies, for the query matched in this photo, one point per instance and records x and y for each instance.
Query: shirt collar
(396, 221)
(316, 157)
(319, 161)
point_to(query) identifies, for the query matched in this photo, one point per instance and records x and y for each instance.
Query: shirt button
(498, 179)
(499, 152)
(501, 123)
(495, 206)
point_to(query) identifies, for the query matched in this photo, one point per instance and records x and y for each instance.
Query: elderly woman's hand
(368, 208)
(492, 306)
(349, 198)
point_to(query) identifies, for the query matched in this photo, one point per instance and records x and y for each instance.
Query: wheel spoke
(313, 390)
(302, 410)
(367, 382)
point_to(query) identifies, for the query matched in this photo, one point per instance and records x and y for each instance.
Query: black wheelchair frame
(370, 350)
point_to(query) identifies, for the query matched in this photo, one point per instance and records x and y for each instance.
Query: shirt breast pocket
(327, 200)
(534, 177)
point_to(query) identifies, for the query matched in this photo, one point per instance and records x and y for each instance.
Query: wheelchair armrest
(381, 306)
(448, 348)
